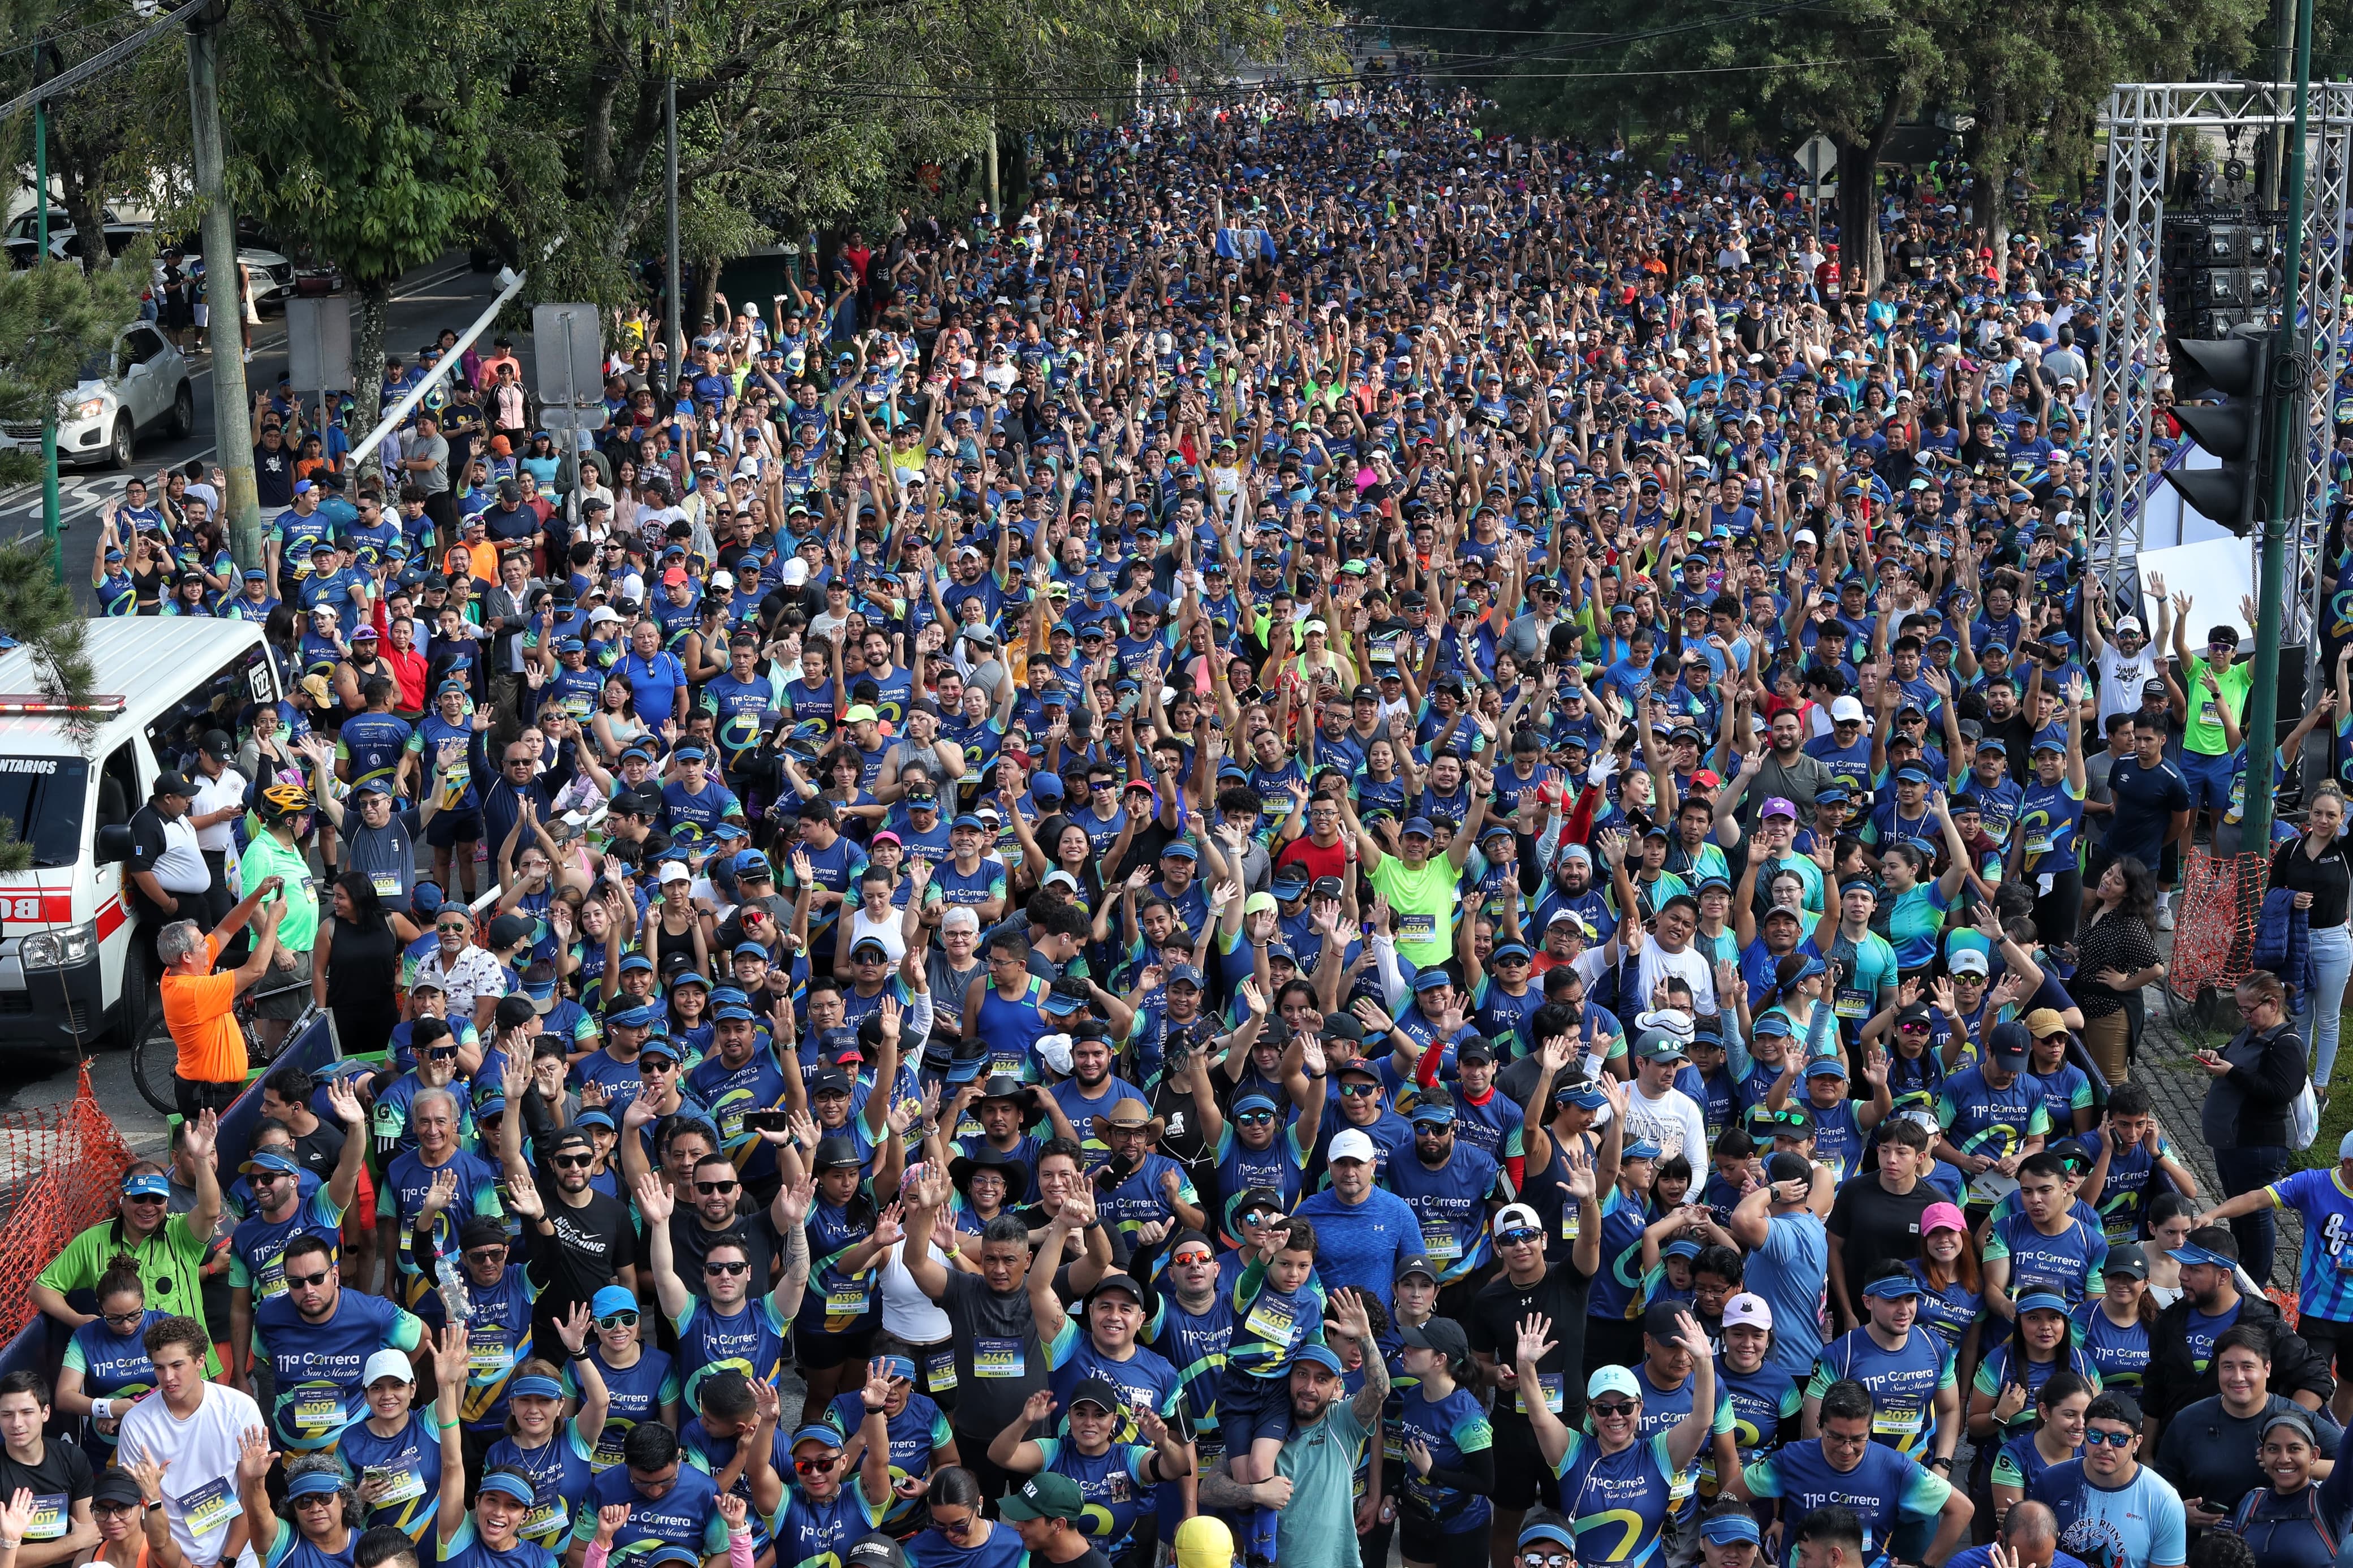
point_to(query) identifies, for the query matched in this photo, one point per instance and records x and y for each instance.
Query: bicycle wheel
(155, 1066)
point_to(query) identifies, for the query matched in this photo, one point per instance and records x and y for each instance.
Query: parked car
(143, 385)
(275, 278)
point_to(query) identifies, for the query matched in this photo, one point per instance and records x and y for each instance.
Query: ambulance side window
(119, 794)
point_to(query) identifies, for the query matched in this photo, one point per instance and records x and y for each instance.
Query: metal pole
(995, 219)
(2287, 439)
(392, 416)
(49, 503)
(675, 343)
(225, 303)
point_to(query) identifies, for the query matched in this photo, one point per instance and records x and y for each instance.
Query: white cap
(723, 580)
(1969, 960)
(2129, 624)
(675, 871)
(1054, 1050)
(795, 573)
(1667, 1021)
(1511, 1216)
(1351, 1144)
(1804, 536)
(1845, 711)
(387, 1363)
(603, 612)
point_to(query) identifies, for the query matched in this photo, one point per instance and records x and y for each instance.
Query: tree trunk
(706, 290)
(1861, 260)
(367, 356)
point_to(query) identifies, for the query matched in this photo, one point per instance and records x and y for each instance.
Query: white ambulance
(69, 973)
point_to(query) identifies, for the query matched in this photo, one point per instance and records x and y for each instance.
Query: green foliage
(54, 319)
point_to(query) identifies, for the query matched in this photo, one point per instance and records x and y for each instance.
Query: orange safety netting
(61, 1172)
(2214, 929)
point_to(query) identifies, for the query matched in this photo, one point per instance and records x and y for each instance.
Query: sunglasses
(618, 1321)
(954, 1526)
(485, 1254)
(449, 926)
(1613, 1408)
(707, 1188)
(305, 1280)
(726, 1268)
(572, 1161)
(442, 1054)
(143, 1198)
(2109, 1439)
(1254, 1118)
(1360, 1090)
(657, 1064)
(816, 1467)
(1519, 1237)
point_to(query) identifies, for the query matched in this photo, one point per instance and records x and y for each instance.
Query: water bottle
(455, 1303)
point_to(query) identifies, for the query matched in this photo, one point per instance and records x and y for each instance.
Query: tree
(1770, 72)
(361, 131)
(55, 323)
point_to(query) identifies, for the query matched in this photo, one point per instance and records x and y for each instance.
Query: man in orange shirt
(197, 1003)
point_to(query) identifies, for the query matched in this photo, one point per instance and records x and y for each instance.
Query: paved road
(447, 293)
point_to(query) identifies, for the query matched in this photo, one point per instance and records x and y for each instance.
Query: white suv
(143, 385)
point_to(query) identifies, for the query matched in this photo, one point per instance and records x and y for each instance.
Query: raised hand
(1535, 1340)
(344, 1101)
(876, 1393)
(522, 1196)
(732, 1506)
(573, 1328)
(654, 1204)
(1037, 1406)
(254, 1455)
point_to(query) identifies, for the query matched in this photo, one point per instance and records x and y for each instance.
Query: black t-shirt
(690, 1242)
(1092, 1557)
(1493, 1326)
(1877, 1227)
(586, 1253)
(318, 1149)
(61, 1479)
(148, 847)
(999, 1362)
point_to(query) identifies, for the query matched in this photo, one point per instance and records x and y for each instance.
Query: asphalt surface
(447, 293)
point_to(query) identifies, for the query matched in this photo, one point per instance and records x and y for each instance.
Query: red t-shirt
(1305, 852)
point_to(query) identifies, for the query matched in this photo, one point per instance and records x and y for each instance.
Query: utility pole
(675, 344)
(225, 300)
(995, 219)
(49, 504)
(2289, 435)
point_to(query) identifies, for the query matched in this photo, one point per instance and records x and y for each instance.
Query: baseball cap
(1350, 1143)
(386, 1363)
(1748, 1308)
(1043, 1496)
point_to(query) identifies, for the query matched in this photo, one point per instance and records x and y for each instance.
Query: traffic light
(2222, 388)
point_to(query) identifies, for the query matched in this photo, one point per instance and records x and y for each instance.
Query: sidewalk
(2179, 1086)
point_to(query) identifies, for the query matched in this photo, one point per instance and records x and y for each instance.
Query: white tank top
(907, 1312)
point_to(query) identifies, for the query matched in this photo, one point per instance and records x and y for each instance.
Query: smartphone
(767, 1122)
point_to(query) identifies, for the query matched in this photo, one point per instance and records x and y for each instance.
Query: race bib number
(845, 1301)
(1851, 1005)
(1895, 1423)
(546, 1520)
(488, 1360)
(318, 1413)
(400, 1486)
(1568, 1218)
(386, 883)
(1417, 927)
(1552, 1385)
(209, 1508)
(52, 1517)
(1439, 1241)
(1270, 1320)
(939, 1373)
(997, 1358)
(2038, 844)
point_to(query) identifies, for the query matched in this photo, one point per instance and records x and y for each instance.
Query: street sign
(1817, 157)
(568, 361)
(318, 343)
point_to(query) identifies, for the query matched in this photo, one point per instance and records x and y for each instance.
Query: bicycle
(155, 1058)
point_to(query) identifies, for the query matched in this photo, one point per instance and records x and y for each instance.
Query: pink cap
(1746, 1308)
(1942, 1216)
(1778, 807)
